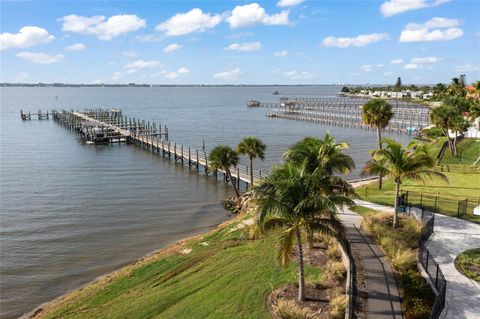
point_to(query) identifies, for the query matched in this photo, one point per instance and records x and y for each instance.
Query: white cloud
(239, 35)
(296, 75)
(358, 41)
(183, 70)
(172, 74)
(193, 21)
(76, 47)
(102, 28)
(117, 76)
(289, 3)
(370, 67)
(249, 46)
(26, 37)
(251, 14)
(467, 68)
(172, 47)
(281, 53)
(396, 61)
(393, 7)
(228, 75)
(133, 67)
(129, 54)
(419, 63)
(435, 29)
(40, 58)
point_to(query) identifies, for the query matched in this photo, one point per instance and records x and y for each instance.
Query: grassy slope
(461, 185)
(230, 278)
(468, 152)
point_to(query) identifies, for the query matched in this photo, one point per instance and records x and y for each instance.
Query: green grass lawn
(468, 152)
(461, 185)
(229, 278)
(468, 263)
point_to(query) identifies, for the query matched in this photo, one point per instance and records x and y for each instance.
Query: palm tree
(253, 147)
(297, 201)
(224, 157)
(317, 152)
(377, 113)
(394, 161)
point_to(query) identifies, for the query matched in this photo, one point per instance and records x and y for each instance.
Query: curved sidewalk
(383, 299)
(451, 237)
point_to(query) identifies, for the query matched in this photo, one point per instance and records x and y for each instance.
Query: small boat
(253, 103)
(276, 93)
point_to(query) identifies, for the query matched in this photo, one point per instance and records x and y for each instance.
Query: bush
(418, 310)
(404, 260)
(414, 285)
(288, 309)
(338, 305)
(333, 251)
(433, 133)
(335, 271)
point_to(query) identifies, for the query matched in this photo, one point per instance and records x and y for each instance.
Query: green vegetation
(468, 263)
(468, 153)
(377, 113)
(400, 245)
(224, 157)
(235, 274)
(414, 163)
(253, 147)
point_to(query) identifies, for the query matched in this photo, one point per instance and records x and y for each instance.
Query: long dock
(101, 126)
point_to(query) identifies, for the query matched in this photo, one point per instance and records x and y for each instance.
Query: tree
(317, 152)
(447, 117)
(224, 157)
(398, 85)
(253, 147)
(296, 201)
(399, 163)
(345, 89)
(457, 87)
(377, 113)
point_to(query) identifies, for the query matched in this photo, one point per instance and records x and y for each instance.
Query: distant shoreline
(156, 85)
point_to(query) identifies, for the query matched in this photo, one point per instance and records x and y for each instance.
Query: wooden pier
(39, 115)
(102, 126)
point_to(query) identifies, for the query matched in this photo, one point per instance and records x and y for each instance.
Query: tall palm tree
(296, 201)
(413, 162)
(253, 147)
(224, 157)
(317, 152)
(377, 113)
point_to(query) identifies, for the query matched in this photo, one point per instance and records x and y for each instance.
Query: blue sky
(217, 42)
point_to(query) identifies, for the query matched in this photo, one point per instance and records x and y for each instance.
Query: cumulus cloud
(419, 63)
(174, 74)
(133, 67)
(296, 75)
(396, 61)
(228, 75)
(249, 46)
(102, 28)
(40, 58)
(26, 37)
(76, 47)
(172, 47)
(358, 41)
(281, 53)
(370, 67)
(252, 14)
(435, 29)
(192, 21)
(393, 7)
(289, 3)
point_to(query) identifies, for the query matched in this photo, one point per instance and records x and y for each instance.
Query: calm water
(71, 212)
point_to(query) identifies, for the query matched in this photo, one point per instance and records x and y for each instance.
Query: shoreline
(158, 253)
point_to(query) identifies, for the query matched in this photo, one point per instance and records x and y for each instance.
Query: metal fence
(431, 267)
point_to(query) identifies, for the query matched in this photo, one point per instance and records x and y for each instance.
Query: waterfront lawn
(461, 185)
(226, 275)
(468, 152)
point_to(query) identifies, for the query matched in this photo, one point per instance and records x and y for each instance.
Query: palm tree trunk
(395, 205)
(455, 153)
(251, 170)
(301, 271)
(231, 181)
(380, 146)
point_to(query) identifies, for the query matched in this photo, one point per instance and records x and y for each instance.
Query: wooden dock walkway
(113, 127)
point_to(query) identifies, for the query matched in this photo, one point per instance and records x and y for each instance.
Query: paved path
(383, 299)
(451, 237)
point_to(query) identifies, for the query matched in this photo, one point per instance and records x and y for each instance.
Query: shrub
(288, 309)
(404, 260)
(335, 271)
(414, 285)
(333, 251)
(338, 305)
(417, 310)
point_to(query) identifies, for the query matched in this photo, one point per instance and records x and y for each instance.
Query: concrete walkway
(383, 299)
(451, 237)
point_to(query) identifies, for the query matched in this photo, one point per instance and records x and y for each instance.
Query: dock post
(182, 153)
(169, 153)
(206, 163)
(175, 151)
(238, 178)
(197, 163)
(189, 158)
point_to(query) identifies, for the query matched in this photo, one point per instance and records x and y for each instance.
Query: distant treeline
(149, 85)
